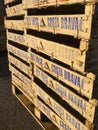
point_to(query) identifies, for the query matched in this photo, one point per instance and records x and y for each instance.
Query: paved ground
(13, 116)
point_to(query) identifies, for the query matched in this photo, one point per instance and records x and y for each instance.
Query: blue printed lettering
(74, 79)
(57, 70)
(39, 60)
(64, 126)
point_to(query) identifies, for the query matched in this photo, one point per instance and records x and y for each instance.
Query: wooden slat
(21, 76)
(41, 3)
(74, 57)
(16, 38)
(19, 64)
(14, 24)
(80, 25)
(86, 109)
(38, 3)
(83, 84)
(18, 52)
(15, 10)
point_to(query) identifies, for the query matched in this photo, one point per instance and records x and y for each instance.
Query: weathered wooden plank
(15, 10)
(64, 2)
(18, 52)
(83, 84)
(21, 76)
(19, 64)
(61, 111)
(41, 3)
(86, 109)
(16, 38)
(38, 3)
(14, 24)
(78, 26)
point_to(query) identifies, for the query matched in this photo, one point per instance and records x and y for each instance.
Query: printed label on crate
(63, 113)
(82, 106)
(18, 52)
(21, 76)
(74, 25)
(15, 37)
(81, 83)
(28, 90)
(19, 64)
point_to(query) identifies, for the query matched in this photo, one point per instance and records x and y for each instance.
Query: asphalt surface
(13, 116)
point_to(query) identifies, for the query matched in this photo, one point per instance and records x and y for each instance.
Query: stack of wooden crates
(53, 58)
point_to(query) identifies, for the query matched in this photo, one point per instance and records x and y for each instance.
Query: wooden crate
(42, 107)
(20, 75)
(16, 38)
(61, 111)
(19, 64)
(15, 10)
(18, 52)
(74, 57)
(83, 84)
(14, 24)
(85, 108)
(76, 25)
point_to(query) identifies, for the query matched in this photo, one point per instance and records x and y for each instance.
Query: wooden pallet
(83, 84)
(42, 3)
(19, 64)
(16, 38)
(14, 24)
(15, 10)
(85, 108)
(18, 52)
